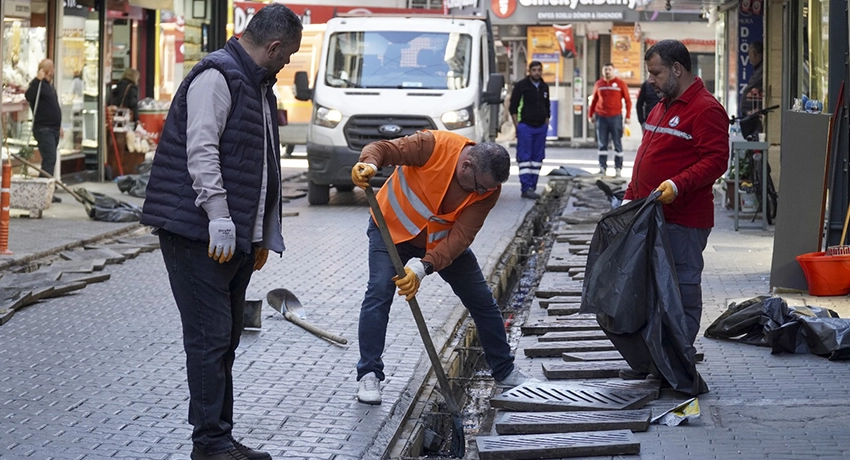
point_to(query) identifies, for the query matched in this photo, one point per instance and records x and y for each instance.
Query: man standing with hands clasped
(530, 111)
(214, 200)
(609, 92)
(434, 203)
(685, 149)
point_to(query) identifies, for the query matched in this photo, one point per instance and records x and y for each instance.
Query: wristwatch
(429, 268)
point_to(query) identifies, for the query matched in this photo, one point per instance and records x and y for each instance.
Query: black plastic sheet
(770, 322)
(107, 209)
(631, 286)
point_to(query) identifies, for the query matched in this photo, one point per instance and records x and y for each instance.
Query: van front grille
(364, 129)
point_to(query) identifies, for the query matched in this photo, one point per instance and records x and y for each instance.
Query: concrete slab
(591, 356)
(76, 266)
(560, 445)
(559, 299)
(563, 309)
(84, 277)
(542, 327)
(557, 284)
(583, 370)
(568, 422)
(542, 349)
(109, 255)
(572, 335)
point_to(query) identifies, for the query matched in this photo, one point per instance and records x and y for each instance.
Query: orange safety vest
(411, 197)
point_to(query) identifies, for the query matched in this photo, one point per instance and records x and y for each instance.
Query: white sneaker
(617, 173)
(601, 171)
(515, 378)
(369, 389)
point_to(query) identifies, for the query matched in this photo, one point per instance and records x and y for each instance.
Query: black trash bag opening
(632, 287)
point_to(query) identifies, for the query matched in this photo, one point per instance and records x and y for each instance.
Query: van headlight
(457, 119)
(326, 117)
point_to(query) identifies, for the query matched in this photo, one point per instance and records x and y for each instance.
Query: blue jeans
(610, 129)
(687, 245)
(466, 280)
(211, 300)
(48, 141)
(530, 152)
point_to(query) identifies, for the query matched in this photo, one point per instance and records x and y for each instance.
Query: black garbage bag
(631, 286)
(770, 322)
(106, 209)
(133, 184)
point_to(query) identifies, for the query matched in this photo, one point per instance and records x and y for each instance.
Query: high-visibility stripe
(524, 164)
(529, 171)
(670, 131)
(440, 221)
(436, 236)
(405, 221)
(412, 198)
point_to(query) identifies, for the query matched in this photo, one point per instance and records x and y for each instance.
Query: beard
(668, 89)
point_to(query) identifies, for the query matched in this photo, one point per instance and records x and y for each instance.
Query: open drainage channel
(425, 430)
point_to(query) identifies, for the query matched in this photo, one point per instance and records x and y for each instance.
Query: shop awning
(153, 4)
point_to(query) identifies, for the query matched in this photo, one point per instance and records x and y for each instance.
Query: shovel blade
(283, 300)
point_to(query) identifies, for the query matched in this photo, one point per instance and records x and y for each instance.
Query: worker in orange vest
(434, 204)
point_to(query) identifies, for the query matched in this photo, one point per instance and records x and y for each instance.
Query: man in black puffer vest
(214, 200)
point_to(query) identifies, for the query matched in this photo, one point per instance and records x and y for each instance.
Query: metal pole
(101, 84)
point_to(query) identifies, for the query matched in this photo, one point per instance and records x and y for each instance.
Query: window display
(23, 48)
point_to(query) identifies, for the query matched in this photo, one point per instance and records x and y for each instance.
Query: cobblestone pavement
(100, 373)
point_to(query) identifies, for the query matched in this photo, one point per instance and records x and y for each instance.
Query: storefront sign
(535, 11)
(625, 54)
(460, 4)
(750, 29)
(17, 9)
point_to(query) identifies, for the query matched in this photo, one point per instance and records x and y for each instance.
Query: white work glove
(222, 239)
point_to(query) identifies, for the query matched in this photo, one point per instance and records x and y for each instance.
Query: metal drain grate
(559, 445)
(570, 397)
(568, 422)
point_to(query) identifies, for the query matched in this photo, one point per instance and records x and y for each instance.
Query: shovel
(287, 304)
(458, 443)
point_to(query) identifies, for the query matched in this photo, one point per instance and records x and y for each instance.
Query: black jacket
(530, 103)
(126, 94)
(646, 100)
(49, 114)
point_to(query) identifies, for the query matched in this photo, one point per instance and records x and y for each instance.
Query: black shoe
(530, 194)
(56, 199)
(631, 374)
(249, 453)
(232, 454)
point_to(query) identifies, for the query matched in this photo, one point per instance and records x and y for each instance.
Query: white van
(383, 77)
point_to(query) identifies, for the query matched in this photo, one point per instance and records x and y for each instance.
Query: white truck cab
(383, 77)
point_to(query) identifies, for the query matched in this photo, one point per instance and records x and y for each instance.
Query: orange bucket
(826, 275)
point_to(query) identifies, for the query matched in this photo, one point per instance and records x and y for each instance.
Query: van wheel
(344, 188)
(318, 194)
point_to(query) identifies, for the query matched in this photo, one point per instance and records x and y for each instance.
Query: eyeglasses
(481, 190)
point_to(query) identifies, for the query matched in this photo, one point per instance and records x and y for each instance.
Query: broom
(841, 249)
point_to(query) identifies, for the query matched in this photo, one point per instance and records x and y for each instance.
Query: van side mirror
(495, 85)
(302, 86)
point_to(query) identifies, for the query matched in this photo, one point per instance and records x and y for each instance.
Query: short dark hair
(273, 22)
(670, 52)
(534, 64)
(758, 46)
(608, 64)
(491, 158)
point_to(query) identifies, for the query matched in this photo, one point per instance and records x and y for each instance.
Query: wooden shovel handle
(314, 329)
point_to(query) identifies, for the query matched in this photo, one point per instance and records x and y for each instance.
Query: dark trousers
(610, 129)
(468, 283)
(48, 141)
(687, 245)
(211, 300)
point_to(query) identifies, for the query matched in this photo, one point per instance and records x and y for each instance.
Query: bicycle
(750, 126)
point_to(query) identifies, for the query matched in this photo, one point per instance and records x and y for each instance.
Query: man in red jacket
(608, 94)
(684, 150)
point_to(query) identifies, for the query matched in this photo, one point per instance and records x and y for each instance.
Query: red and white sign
(503, 8)
(566, 40)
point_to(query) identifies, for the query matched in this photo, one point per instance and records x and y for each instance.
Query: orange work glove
(409, 285)
(361, 173)
(260, 257)
(668, 192)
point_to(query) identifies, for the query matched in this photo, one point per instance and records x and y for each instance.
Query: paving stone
(76, 266)
(592, 356)
(571, 396)
(85, 277)
(543, 327)
(22, 280)
(583, 370)
(62, 288)
(572, 335)
(109, 255)
(560, 445)
(127, 250)
(142, 240)
(557, 284)
(567, 422)
(541, 349)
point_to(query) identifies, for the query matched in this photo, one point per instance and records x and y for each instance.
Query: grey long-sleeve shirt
(208, 105)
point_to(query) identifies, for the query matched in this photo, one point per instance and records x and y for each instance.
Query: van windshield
(423, 60)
